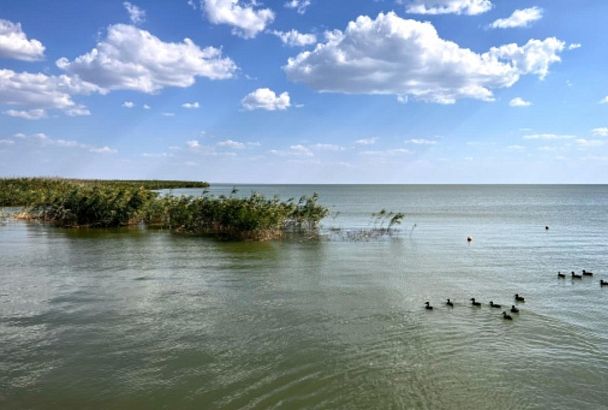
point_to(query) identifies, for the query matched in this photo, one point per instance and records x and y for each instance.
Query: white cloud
(15, 44)
(299, 5)
(298, 150)
(136, 15)
(600, 132)
(191, 105)
(43, 140)
(391, 55)
(103, 150)
(574, 46)
(585, 143)
(128, 104)
(367, 141)
(468, 7)
(247, 20)
(41, 91)
(604, 100)
(548, 136)
(146, 107)
(167, 114)
(193, 144)
(387, 153)
(327, 147)
(35, 114)
(231, 144)
(133, 59)
(421, 141)
(294, 38)
(266, 99)
(519, 102)
(519, 18)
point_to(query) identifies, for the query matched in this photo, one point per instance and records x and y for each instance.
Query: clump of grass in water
(384, 223)
(99, 205)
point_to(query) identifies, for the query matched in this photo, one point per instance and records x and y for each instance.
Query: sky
(306, 91)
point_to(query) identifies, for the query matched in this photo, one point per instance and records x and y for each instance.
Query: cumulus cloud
(519, 102)
(128, 104)
(247, 20)
(407, 58)
(231, 144)
(266, 99)
(297, 150)
(604, 100)
(299, 5)
(421, 141)
(35, 114)
(600, 132)
(133, 59)
(468, 7)
(43, 140)
(15, 44)
(191, 105)
(548, 136)
(294, 38)
(519, 18)
(193, 144)
(367, 141)
(136, 15)
(41, 91)
(586, 143)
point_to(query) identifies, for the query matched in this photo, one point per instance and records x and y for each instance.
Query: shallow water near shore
(145, 319)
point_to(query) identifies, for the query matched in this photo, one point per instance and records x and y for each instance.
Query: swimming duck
(586, 273)
(514, 309)
(519, 298)
(449, 303)
(494, 305)
(575, 276)
(546, 228)
(475, 303)
(561, 275)
(469, 239)
(428, 306)
(603, 282)
(506, 317)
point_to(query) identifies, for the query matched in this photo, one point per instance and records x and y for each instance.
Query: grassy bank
(106, 204)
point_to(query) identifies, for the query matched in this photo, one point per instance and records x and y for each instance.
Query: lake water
(145, 319)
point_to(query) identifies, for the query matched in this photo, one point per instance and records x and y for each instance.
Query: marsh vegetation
(107, 204)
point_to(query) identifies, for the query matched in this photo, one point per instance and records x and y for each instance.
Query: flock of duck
(517, 297)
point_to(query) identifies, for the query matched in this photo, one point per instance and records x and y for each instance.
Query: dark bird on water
(475, 303)
(575, 276)
(469, 239)
(587, 273)
(561, 275)
(506, 317)
(428, 306)
(449, 303)
(546, 228)
(514, 309)
(603, 282)
(494, 305)
(519, 298)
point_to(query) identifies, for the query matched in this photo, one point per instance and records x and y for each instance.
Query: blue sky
(296, 91)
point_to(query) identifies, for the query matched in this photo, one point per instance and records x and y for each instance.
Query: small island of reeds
(71, 203)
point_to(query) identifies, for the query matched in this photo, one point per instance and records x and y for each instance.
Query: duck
(575, 276)
(603, 282)
(519, 298)
(469, 239)
(587, 273)
(449, 303)
(506, 316)
(561, 275)
(514, 309)
(546, 228)
(494, 305)
(428, 306)
(475, 303)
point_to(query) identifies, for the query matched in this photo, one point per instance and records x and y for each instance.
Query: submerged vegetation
(104, 204)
